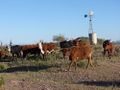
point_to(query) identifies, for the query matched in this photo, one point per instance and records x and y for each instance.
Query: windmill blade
(85, 15)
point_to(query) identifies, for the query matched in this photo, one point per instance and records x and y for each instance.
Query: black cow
(70, 43)
(105, 43)
(15, 50)
(66, 44)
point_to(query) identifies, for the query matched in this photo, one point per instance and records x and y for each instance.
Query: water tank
(93, 38)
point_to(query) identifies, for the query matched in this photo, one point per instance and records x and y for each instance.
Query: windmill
(92, 35)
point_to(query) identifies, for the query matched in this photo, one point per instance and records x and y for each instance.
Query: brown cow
(65, 51)
(30, 49)
(108, 48)
(80, 52)
(3, 54)
(23, 50)
(25, 47)
(47, 48)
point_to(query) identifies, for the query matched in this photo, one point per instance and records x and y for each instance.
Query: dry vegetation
(37, 74)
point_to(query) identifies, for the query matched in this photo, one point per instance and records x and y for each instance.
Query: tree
(59, 38)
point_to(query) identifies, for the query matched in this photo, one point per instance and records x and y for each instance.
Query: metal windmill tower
(90, 14)
(92, 35)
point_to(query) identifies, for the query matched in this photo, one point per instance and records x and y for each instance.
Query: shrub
(82, 64)
(3, 67)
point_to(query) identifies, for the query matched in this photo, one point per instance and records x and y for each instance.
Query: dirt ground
(105, 75)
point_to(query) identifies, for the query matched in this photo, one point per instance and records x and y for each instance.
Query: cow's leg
(89, 62)
(18, 56)
(13, 56)
(41, 55)
(0, 57)
(109, 54)
(104, 52)
(71, 63)
(24, 56)
(75, 65)
(21, 55)
(64, 55)
(45, 56)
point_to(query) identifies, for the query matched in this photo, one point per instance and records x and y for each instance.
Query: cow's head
(41, 47)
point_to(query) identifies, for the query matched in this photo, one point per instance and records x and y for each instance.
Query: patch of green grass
(2, 82)
(82, 64)
(3, 67)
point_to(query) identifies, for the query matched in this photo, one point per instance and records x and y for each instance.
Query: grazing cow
(108, 48)
(80, 52)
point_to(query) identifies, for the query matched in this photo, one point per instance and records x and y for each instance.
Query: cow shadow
(26, 68)
(101, 83)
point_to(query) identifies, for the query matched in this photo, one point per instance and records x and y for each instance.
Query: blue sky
(28, 21)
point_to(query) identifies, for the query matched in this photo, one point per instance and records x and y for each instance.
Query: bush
(3, 67)
(82, 64)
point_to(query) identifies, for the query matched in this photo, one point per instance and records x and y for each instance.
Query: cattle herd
(76, 49)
